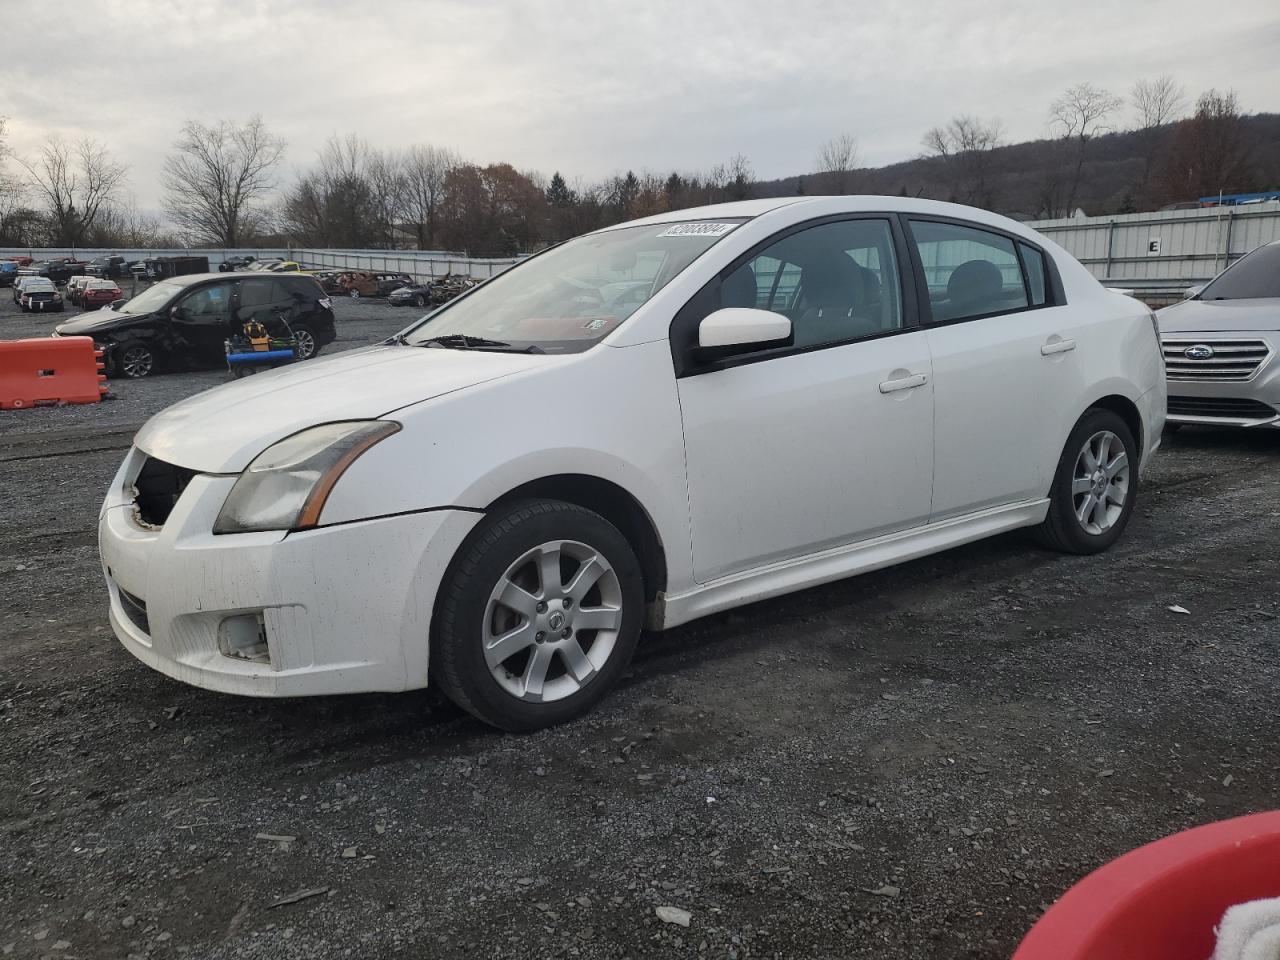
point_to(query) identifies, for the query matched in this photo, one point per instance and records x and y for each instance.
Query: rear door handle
(1056, 344)
(904, 383)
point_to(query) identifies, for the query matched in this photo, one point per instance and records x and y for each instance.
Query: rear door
(1004, 364)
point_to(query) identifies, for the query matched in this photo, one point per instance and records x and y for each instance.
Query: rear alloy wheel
(1095, 487)
(538, 616)
(354, 294)
(420, 301)
(134, 360)
(306, 340)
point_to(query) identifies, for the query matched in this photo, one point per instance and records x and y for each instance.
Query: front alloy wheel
(552, 621)
(135, 360)
(538, 615)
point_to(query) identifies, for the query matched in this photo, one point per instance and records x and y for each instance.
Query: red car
(99, 293)
(20, 261)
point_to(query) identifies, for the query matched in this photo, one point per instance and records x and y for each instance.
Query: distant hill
(1018, 174)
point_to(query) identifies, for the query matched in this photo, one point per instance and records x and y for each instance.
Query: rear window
(1256, 277)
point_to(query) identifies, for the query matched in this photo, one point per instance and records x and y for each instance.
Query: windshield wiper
(455, 341)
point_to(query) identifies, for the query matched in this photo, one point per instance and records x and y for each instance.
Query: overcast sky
(595, 88)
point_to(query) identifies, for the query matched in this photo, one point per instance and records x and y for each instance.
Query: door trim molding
(836, 563)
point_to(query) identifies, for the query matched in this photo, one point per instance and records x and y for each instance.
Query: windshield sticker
(701, 229)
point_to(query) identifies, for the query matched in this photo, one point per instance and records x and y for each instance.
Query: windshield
(568, 299)
(152, 298)
(1255, 277)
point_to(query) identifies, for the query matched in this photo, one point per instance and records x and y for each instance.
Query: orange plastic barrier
(50, 371)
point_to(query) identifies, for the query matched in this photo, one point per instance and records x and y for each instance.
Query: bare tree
(76, 182)
(740, 176)
(1156, 104)
(390, 189)
(11, 190)
(964, 144)
(1078, 117)
(426, 170)
(1210, 150)
(836, 160)
(218, 178)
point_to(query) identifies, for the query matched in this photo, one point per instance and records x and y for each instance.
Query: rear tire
(538, 615)
(1095, 486)
(305, 338)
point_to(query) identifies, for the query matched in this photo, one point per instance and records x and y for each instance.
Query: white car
(503, 495)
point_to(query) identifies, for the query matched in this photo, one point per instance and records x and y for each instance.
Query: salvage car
(186, 321)
(1220, 347)
(57, 269)
(98, 293)
(414, 295)
(111, 267)
(74, 287)
(22, 281)
(40, 295)
(236, 262)
(499, 498)
(8, 273)
(362, 283)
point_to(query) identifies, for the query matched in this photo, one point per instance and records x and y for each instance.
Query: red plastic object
(50, 370)
(1162, 901)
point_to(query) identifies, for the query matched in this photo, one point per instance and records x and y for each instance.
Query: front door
(201, 321)
(822, 443)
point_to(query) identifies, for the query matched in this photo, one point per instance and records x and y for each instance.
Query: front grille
(1227, 408)
(135, 609)
(159, 486)
(1228, 360)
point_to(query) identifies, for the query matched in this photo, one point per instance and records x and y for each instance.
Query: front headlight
(286, 486)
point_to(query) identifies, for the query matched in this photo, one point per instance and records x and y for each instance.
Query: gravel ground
(913, 763)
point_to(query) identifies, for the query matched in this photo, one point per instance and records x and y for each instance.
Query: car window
(572, 296)
(262, 300)
(970, 272)
(1255, 277)
(836, 281)
(207, 307)
(1033, 260)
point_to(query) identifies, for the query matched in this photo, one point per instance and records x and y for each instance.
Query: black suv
(186, 320)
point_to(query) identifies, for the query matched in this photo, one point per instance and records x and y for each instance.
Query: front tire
(1095, 487)
(538, 615)
(134, 360)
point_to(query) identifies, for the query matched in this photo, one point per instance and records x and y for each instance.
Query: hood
(100, 321)
(223, 429)
(1220, 316)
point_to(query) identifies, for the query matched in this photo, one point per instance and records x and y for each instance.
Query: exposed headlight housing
(286, 486)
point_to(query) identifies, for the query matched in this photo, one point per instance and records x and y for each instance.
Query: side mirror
(117, 304)
(735, 330)
(1194, 291)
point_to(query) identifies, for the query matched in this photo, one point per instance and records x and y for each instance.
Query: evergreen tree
(558, 192)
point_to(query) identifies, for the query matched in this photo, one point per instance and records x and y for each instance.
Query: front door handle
(1056, 344)
(904, 383)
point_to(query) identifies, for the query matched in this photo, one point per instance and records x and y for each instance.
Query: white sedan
(502, 496)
